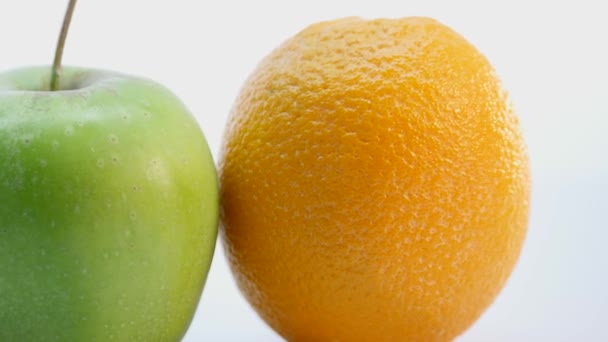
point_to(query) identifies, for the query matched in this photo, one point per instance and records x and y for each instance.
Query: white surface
(551, 54)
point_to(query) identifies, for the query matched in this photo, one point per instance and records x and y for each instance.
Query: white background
(552, 56)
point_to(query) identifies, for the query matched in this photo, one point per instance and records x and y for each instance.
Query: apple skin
(108, 209)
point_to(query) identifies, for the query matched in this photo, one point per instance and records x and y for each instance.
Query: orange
(375, 183)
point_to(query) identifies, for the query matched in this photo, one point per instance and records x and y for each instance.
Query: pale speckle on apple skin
(146, 103)
(69, 130)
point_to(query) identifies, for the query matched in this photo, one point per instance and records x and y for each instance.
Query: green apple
(108, 208)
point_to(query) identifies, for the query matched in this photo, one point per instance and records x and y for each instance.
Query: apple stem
(56, 71)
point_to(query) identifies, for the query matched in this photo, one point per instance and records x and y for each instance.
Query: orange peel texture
(374, 182)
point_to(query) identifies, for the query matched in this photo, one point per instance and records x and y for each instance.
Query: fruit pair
(374, 186)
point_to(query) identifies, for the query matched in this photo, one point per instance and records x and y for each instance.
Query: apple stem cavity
(56, 71)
